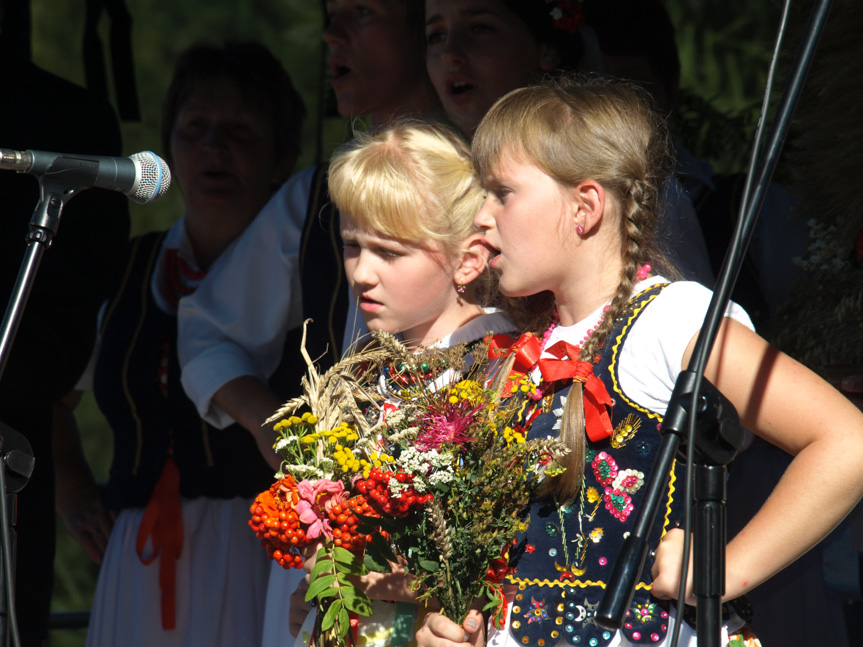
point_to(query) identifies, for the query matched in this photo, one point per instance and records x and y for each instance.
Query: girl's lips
(458, 88)
(369, 305)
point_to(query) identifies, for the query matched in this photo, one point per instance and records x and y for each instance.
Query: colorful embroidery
(629, 481)
(618, 503)
(604, 468)
(625, 431)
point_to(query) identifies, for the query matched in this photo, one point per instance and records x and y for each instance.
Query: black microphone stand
(714, 417)
(54, 195)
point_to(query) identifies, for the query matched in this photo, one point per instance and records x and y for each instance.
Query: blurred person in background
(179, 564)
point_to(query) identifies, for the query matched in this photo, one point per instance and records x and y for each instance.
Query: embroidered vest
(567, 554)
(148, 422)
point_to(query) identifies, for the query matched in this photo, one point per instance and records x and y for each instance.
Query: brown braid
(574, 130)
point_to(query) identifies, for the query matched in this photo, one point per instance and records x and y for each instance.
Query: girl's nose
(334, 33)
(453, 53)
(362, 273)
(484, 218)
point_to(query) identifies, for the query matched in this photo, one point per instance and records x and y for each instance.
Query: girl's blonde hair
(413, 180)
(577, 129)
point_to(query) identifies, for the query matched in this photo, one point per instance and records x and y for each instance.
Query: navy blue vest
(147, 424)
(567, 553)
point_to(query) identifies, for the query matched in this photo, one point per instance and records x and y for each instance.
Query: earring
(579, 229)
(460, 289)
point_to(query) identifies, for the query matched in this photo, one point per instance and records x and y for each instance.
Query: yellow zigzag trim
(582, 584)
(612, 369)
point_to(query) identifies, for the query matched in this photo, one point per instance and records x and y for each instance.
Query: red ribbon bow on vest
(162, 523)
(595, 395)
(528, 350)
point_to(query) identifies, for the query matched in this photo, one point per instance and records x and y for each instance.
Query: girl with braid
(573, 173)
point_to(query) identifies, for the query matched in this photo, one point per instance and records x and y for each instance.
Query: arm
(791, 407)
(234, 325)
(250, 402)
(79, 497)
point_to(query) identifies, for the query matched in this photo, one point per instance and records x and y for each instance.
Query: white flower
(559, 413)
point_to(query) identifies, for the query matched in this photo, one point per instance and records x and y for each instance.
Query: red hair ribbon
(162, 523)
(596, 399)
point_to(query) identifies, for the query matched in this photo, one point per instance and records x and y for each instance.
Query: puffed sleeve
(235, 323)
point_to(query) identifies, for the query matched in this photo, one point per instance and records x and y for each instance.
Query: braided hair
(574, 129)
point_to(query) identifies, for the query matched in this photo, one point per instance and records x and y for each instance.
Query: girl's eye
(435, 37)
(480, 28)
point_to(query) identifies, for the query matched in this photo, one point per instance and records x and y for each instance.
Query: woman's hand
(440, 631)
(667, 566)
(86, 519)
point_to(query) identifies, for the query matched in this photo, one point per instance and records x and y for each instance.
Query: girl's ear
(589, 199)
(549, 59)
(472, 260)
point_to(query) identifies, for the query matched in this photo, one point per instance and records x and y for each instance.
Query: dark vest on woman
(137, 387)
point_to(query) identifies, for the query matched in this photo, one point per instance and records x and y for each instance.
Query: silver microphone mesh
(154, 177)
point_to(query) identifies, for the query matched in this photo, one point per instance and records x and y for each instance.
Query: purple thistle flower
(447, 424)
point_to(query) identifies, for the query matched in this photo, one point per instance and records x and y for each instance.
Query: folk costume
(563, 560)
(181, 566)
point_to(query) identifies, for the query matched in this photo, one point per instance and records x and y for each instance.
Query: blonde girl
(407, 197)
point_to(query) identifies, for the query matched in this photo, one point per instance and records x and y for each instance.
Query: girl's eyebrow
(467, 13)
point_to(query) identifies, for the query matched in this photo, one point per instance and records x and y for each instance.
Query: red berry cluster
(377, 488)
(277, 524)
(344, 520)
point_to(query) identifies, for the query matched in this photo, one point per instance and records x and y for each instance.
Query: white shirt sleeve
(652, 355)
(235, 323)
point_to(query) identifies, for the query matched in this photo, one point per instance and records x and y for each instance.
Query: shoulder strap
(325, 294)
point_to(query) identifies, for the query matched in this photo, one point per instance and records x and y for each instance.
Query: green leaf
(322, 565)
(358, 602)
(378, 555)
(344, 556)
(344, 621)
(353, 565)
(331, 615)
(320, 584)
(428, 565)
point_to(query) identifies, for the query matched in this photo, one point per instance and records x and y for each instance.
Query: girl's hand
(440, 631)
(666, 568)
(299, 607)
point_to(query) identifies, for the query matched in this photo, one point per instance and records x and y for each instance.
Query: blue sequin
(606, 635)
(569, 629)
(643, 448)
(551, 529)
(570, 615)
(552, 552)
(593, 642)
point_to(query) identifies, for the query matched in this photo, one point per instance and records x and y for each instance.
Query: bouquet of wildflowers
(402, 457)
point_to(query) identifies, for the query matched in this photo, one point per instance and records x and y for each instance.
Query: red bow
(163, 524)
(527, 349)
(595, 396)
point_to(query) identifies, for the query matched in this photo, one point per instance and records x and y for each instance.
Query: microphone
(144, 177)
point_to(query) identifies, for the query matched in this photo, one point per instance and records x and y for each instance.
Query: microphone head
(153, 177)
